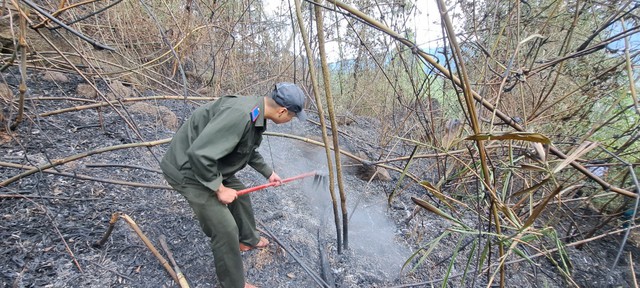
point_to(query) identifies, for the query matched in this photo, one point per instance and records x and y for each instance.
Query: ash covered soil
(47, 236)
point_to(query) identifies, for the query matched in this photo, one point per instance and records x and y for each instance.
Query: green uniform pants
(226, 225)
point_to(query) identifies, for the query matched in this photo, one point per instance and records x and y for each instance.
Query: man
(219, 139)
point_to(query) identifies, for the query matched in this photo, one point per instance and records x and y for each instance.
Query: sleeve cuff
(214, 184)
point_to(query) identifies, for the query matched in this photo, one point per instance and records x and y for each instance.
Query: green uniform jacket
(219, 139)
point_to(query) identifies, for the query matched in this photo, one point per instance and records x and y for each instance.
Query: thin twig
(115, 102)
(81, 155)
(119, 215)
(66, 27)
(9, 196)
(123, 166)
(576, 243)
(90, 14)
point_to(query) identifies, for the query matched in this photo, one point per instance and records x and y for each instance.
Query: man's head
(291, 97)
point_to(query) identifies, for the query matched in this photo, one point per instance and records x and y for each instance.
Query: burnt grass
(50, 223)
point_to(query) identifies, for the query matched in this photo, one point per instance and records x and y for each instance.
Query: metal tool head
(320, 181)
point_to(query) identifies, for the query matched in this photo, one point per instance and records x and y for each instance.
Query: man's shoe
(263, 243)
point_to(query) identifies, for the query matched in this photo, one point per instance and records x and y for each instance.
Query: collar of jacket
(261, 122)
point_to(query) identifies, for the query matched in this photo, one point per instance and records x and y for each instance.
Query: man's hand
(226, 195)
(274, 178)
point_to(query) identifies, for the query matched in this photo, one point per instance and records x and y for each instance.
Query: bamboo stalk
(81, 155)
(119, 215)
(323, 125)
(471, 109)
(633, 273)
(182, 281)
(86, 177)
(125, 100)
(632, 82)
(326, 77)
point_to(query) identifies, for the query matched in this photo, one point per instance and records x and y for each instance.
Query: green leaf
(432, 245)
(530, 189)
(453, 260)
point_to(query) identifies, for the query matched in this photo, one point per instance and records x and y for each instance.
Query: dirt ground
(47, 236)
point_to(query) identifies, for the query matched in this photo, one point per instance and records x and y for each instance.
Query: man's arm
(256, 161)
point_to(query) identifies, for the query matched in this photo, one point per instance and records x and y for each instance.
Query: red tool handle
(260, 187)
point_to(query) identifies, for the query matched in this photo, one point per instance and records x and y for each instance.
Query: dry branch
(80, 156)
(86, 177)
(95, 44)
(112, 222)
(124, 100)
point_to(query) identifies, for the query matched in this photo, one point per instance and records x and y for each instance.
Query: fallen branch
(145, 240)
(181, 280)
(82, 155)
(99, 165)
(9, 196)
(86, 177)
(115, 102)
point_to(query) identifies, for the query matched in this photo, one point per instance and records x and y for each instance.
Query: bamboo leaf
(469, 261)
(530, 37)
(523, 255)
(520, 136)
(542, 153)
(433, 209)
(432, 245)
(581, 150)
(562, 252)
(532, 167)
(531, 189)
(453, 260)
(436, 192)
(536, 212)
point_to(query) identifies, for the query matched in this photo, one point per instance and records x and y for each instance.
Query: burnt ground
(56, 208)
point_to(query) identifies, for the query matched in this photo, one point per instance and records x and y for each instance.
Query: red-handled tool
(260, 187)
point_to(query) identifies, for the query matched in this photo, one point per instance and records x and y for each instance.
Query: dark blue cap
(290, 96)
